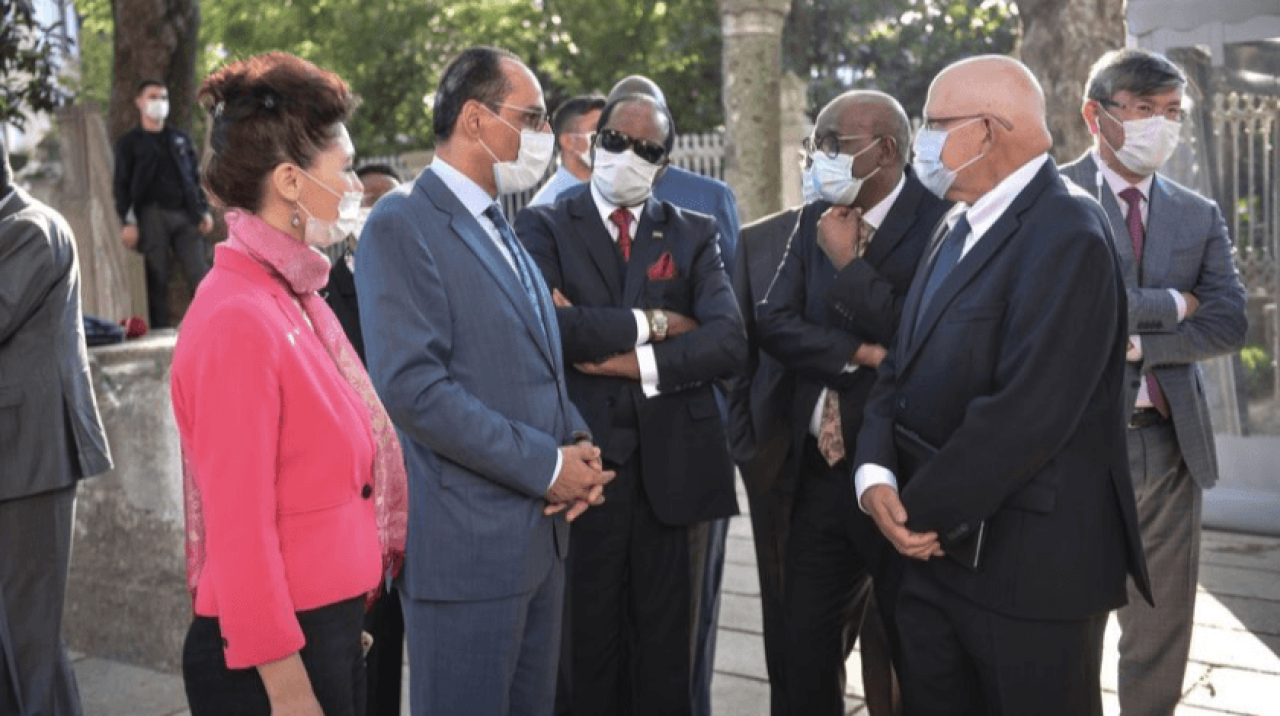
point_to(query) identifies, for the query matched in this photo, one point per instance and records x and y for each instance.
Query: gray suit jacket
(50, 432)
(476, 390)
(1186, 249)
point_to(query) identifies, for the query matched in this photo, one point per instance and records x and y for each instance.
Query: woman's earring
(295, 221)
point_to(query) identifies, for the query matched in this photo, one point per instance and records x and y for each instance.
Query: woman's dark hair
(267, 110)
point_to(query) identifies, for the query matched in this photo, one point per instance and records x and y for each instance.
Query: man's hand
(621, 365)
(1193, 303)
(559, 299)
(129, 236)
(882, 502)
(869, 355)
(206, 223)
(594, 497)
(842, 236)
(677, 324)
(580, 471)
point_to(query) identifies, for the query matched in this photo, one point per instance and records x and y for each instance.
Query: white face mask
(832, 179)
(927, 161)
(323, 233)
(585, 156)
(623, 179)
(1148, 143)
(157, 109)
(530, 164)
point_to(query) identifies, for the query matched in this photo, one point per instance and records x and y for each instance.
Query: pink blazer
(283, 455)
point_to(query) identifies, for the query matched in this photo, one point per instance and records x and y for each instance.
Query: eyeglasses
(532, 118)
(611, 140)
(829, 144)
(1146, 110)
(936, 123)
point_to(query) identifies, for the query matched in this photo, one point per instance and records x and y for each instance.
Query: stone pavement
(1234, 669)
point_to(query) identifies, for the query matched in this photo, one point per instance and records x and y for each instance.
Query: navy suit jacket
(1016, 373)
(685, 463)
(476, 389)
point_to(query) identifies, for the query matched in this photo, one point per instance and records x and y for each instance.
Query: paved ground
(1235, 650)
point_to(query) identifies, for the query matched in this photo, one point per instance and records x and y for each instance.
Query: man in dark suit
(999, 416)
(1186, 304)
(463, 349)
(648, 321)
(50, 438)
(830, 313)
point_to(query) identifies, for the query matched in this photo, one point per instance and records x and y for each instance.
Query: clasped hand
(885, 507)
(580, 483)
(842, 235)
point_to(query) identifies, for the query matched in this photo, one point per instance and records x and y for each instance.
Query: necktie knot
(1131, 195)
(622, 218)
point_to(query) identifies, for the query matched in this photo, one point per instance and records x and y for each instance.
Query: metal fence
(1246, 181)
(698, 153)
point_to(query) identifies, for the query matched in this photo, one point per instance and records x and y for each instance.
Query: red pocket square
(664, 269)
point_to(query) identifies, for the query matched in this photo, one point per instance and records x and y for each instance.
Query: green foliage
(1259, 370)
(96, 52)
(896, 46)
(29, 56)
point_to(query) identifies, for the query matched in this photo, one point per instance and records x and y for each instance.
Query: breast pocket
(979, 312)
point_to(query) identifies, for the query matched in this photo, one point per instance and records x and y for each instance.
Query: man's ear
(470, 118)
(1089, 110)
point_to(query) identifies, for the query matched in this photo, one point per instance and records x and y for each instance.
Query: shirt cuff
(642, 327)
(1134, 354)
(559, 464)
(870, 475)
(648, 370)
(1182, 304)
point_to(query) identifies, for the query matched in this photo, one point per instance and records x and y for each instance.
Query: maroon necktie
(1137, 235)
(622, 218)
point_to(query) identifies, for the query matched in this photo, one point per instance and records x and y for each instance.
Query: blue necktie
(494, 214)
(948, 256)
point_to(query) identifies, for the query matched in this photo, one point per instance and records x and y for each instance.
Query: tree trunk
(752, 70)
(1060, 42)
(154, 39)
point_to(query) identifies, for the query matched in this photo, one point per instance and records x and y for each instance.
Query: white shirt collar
(991, 206)
(4, 200)
(474, 198)
(1119, 183)
(875, 215)
(605, 209)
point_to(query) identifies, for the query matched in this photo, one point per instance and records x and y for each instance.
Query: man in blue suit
(463, 347)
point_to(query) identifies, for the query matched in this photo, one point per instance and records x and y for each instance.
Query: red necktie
(1137, 235)
(622, 218)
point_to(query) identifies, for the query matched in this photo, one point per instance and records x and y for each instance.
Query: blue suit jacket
(476, 390)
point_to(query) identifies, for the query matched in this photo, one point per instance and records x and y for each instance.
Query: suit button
(224, 643)
(366, 491)
(902, 403)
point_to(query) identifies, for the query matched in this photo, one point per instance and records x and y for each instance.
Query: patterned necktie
(948, 257)
(830, 432)
(1137, 234)
(494, 214)
(622, 218)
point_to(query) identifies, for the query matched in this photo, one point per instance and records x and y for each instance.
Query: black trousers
(960, 659)
(159, 231)
(770, 523)
(631, 595)
(332, 656)
(385, 662)
(832, 552)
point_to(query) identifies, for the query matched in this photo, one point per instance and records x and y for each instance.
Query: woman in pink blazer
(295, 487)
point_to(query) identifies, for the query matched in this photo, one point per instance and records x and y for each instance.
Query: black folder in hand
(914, 452)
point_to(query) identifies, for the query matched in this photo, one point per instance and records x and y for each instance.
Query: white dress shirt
(981, 216)
(476, 200)
(874, 217)
(644, 350)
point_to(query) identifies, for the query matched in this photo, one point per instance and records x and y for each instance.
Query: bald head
(1002, 93)
(867, 112)
(637, 84)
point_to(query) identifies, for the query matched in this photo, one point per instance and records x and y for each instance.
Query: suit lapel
(902, 215)
(1115, 214)
(474, 237)
(649, 244)
(1162, 226)
(972, 263)
(592, 236)
(912, 303)
(16, 203)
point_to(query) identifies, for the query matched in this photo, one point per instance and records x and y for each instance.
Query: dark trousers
(960, 659)
(709, 571)
(159, 231)
(35, 552)
(770, 522)
(631, 594)
(332, 656)
(384, 662)
(828, 583)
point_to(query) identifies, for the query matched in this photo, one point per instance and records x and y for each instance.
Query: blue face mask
(927, 162)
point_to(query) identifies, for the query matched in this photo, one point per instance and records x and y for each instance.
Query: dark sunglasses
(611, 140)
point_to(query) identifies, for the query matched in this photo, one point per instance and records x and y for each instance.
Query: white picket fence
(698, 153)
